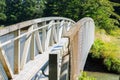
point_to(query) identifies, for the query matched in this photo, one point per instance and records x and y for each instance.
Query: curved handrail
(24, 24)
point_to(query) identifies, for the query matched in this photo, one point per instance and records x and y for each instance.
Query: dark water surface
(95, 68)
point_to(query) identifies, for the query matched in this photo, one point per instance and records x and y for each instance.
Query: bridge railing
(23, 39)
(81, 39)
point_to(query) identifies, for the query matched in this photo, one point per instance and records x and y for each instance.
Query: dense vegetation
(13, 11)
(107, 47)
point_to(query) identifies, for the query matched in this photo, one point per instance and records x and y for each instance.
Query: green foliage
(112, 64)
(85, 77)
(2, 11)
(21, 10)
(56, 8)
(32, 9)
(109, 53)
(100, 11)
(97, 48)
(108, 50)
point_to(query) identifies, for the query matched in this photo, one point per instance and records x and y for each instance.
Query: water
(95, 68)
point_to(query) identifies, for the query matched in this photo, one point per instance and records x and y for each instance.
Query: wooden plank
(5, 63)
(32, 47)
(26, 49)
(17, 53)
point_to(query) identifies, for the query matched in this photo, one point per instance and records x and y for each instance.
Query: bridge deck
(33, 66)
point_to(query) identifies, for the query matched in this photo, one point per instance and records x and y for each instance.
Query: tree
(14, 10)
(101, 11)
(32, 9)
(2, 11)
(56, 8)
(21, 10)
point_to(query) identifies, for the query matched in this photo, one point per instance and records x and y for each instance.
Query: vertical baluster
(43, 36)
(68, 26)
(32, 47)
(57, 29)
(17, 53)
(55, 33)
(61, 30)
(52, 35)
(64, 28)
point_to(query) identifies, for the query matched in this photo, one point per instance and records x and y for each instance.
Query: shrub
(112, 64)
(97, 48)
(85, 77)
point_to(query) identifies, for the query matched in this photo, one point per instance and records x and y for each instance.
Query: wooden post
(17, 53)
(53, 66)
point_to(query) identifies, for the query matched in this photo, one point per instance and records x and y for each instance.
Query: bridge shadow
(95, 65)
(65, 68)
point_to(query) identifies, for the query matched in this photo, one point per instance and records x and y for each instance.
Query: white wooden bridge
(51, 48)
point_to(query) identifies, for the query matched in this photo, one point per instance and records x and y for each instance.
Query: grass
(107, 47)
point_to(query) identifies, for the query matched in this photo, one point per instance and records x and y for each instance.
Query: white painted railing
(38, 33)
(81, 39)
